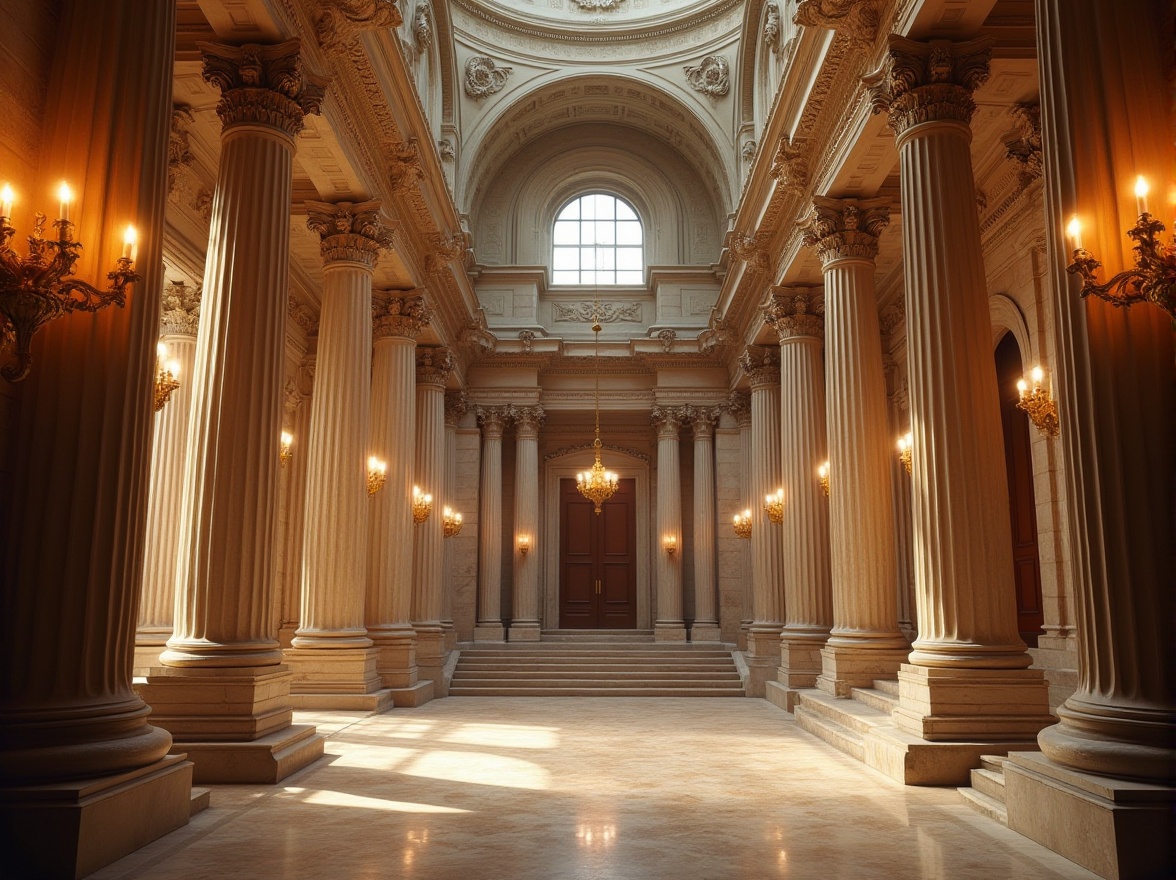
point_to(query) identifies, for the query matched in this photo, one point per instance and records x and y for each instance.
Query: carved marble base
(942, 704)
(232, 704)
(843, 669)
(267, 760)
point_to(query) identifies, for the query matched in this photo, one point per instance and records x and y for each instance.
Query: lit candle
(1141, 189)
(1074, 231)
(161, 350)
(64, 196)
(130, 239)
(1038, 376)
(173, 367)
(1022, 388)
(7, 197)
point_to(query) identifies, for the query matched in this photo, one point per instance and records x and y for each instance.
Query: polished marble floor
(586, 789)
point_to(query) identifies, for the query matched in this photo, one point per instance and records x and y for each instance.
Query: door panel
(598, 559)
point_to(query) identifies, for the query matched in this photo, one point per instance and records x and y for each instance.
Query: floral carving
(434, 366)
(302, 316)
(846, 228)
(789, 165)
(711, 77)
(859, 18)
(667, 337)
(792, 312)
(456, 406)
(263, 84)
(1024, 147)
(349, 231)
(752, 249)
(446, 248)
(399, 316)
(598, 5)
(342, 21)
(527, 419)
(181, 309)
(183, 187)
(527, 338)
(606, 313)
(404, 166)
(762, 366)
(483, 77)
(739, 406)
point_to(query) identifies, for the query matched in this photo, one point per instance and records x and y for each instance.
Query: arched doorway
(1022, 505)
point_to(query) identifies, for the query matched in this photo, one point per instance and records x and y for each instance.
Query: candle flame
(287, 438)
(161, 349)
(173, 367)
(1074, 228)
(1141, 187)
(64, 193)
(7, 195)
(1037, 374)
(131, 236)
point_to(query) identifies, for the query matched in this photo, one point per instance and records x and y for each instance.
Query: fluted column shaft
(706, 622)
(74, 524)
(297, 422)
(669, 624)
(963, 545)
(808, 591)
(455, 407)
(393, 439)
(741, 410)
(489, 625)
(157, 603)
(433, 369)
(767, 554)
(525, 620)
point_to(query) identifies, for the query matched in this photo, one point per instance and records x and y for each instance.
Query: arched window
(597, 239)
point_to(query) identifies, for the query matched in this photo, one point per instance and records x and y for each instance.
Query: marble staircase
(987, 792)
(619, 666)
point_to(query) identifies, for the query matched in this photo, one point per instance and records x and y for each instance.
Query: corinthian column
(224, 682)
(524, 625)
(1101, 792)
(75, 746)
(669, 625)
(967, 675)
(706, 621)
(433, 368)
(865, 643)
(808, 591)
(739, 405)
(157, 603)
(398, 322)
(455, 407)
(489, 625)
(333, 659)
(762, 367)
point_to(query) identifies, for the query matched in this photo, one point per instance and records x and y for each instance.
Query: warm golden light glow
(1074, 231)
(906, 444)
(524, 544)
(65, 196)
(670, 542)
(450, 522)
(741, 522)
(774, 506)
(422, 505)
(377, 470)
(285, 441)
(823, 477)
(7, 197)
(167, 376)
(130, 239)
(1141, 191)
(1037, 402)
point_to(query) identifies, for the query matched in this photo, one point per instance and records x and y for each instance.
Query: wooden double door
(598, 559)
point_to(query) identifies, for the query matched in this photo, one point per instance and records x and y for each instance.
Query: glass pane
(605, 207)
(587, 232)
(606, 258)
(587, 258)
(629, 278)
(565, 277)
(629, 258)
(587, 277)
(570, 212)
(624, 212)
(605, 232)
(587, 208)
(565, 258)
(628, 232)
(566, 232)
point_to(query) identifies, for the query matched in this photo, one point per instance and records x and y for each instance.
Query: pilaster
(524, 625)
(739, 405)
(669, 625)
(456, 407)
(706, 623)
(489, 626)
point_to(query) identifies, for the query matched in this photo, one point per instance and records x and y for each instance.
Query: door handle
(598, 587)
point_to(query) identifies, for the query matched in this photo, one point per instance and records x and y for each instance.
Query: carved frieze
(599, 5)
(349, 231)
(342, 21)
(927, 82)
(858, 18)
(667, 337)
(402, 316)
(588, 447)
(792, 312)
(263, 84)
(790, 165)
(181, 309)
(302, 316)
(606, 313)
(404, 166)
(434, 366)
(483, 77)
(1024, 146)
(752, 249)
(712, 76)
(761, 365)
(846, 228)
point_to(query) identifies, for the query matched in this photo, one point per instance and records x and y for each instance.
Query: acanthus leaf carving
(790, 164)
(752, 249)
(180, 315)
(434, 366)
(1024, 146)
(606, 313)
(350, 231)
(846, 228)
(858, 18)
(446, 247)
(793, 311)
(483, 77)
(712, 76)
(399, 316)
(404, 166)
(342, 21)
(762, 365)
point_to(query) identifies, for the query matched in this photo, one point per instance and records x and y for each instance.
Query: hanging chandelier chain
(597, 484)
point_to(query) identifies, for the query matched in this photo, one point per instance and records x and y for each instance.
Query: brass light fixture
(422, 505)
(823, 477)
(1038, 403)
(37, 289)
(377, 471)
(450, 522)
(1153, 279)
(741, 522)
(167, 371)
(670, 542)
(597, 484)
(905, 445)
(285, 441)
(774, 505)
(524, 544)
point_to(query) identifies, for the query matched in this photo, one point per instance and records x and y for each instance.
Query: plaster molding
(180, 315)
(711, 76)
(483, 77)
(342, 21)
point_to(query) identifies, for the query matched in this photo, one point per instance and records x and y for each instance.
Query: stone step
(576, 681)
(887, 686)
(989, 782)
(982, 803)
(597, 635)
(849, 714)
(840, 737)
(465, 674)
(994, 763)
(875, 699)
(709, 666)
(601, 651)
(459, 690)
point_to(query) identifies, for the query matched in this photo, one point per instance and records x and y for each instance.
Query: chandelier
(597, 484)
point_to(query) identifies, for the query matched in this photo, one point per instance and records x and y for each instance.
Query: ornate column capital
(342, 21)
(928, 82)
(527, 419)
(351, 232)
(181, 310)
(262, 84)
(739, 406)
(762, 366)
(667, 419)
(858, 18)
(793, 312)
(456, 406)
(846, 229)
(702, 419)
(492, 420)
(434, 366)
(399, 316)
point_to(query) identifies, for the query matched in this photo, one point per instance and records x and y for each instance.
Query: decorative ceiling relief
(483, 77)
(606, 313)
(599, 5)
(711, 77)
